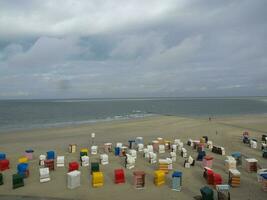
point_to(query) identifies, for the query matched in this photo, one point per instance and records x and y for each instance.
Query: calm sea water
(27, 114)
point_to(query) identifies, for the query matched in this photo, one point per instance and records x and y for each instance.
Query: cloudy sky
(132, 48)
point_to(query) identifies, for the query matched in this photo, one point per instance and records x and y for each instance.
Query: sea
(31, 114)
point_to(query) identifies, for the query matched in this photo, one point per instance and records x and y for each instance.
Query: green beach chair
(94, 167)
(17, 181)
(1, 179)
(207, 193)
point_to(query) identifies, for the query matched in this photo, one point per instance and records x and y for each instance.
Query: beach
(229, 133)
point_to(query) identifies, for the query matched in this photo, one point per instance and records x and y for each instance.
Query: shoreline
(120, 120)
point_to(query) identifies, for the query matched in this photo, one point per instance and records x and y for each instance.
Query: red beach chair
(73, 166)
(4, 164)
(119, 176)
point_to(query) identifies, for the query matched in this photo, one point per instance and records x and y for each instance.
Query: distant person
(209, 118)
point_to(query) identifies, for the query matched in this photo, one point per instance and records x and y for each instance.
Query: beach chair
(104, 159)
(2, 156)
(161, 148)
(29, 154)
(130, 161)
(223, 192)
(97, 179)
(119, 176)
(264, 182)
(133, 153)
(44, 175)
(94, 167)
(174, 148)
(50, 155)
(60, 161)
(131, 144)
(17, 181)
(159, 177)
(234, 177)
(94, 150)
(173, 156)
(23, 169)
(85, 161)
(108, 147)
(152, 157)
(139, 140)
(50, 164)
(139, 179)
(155, 144)
(201, 155)
(4, 164)
(177, 181)
(140, 147)
(238, 158)
(207, 193)
(1, 179)
(23, 159)
(73, 166)
(230, 163)
(41, 160)
(74, 179)
(72, 148)
(207, 161)
(251, 165)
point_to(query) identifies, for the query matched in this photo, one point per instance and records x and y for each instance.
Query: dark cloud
(148, 48)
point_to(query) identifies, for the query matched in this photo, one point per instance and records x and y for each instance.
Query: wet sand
(168, 127)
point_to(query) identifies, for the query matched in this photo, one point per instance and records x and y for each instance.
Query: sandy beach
(229, 131)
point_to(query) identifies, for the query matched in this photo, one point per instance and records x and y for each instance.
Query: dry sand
(229, 136)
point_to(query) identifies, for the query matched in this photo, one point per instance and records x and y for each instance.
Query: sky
(133, 48)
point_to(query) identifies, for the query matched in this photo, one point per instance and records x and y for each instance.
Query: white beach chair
(104, 159)
(44, 175)
(60, 161)
(85, 161)
(74, 179)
